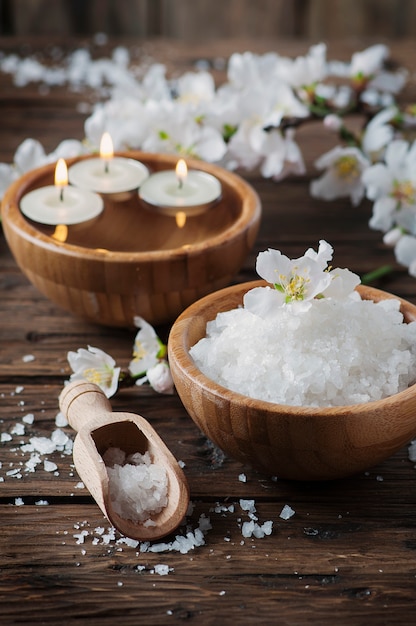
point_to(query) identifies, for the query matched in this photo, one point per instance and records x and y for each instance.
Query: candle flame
(180, 219)
(61, 174)
(181, 171)
(60, 233)
(106, 146)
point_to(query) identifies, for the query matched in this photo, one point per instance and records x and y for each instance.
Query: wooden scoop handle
(81, 402)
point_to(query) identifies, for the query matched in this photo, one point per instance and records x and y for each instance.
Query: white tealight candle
(191, 192)
(60, 203)
(108, 174)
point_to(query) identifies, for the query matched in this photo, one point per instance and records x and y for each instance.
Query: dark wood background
(195, 19)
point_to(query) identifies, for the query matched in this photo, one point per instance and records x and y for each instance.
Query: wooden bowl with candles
(290, 442)
(131, 258)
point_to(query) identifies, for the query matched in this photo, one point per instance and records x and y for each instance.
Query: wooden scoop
(89, 412)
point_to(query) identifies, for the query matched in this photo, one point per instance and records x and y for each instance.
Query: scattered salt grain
(18, 502)
(19, 389)
(162, 569)
(49, 466)
(60, 420)
(287, 512)
(242, 478)
(4, 437)
(248, 505)
(252, 528)
(27, 358)
(42, 503)
(18, 429)
(331, 355)
(137, 486)
(28, 419)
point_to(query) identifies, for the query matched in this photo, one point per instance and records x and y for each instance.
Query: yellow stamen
(404, 192)
(347, 167)
(100, 377)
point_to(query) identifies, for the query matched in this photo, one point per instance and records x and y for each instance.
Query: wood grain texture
(208, 19)
(347, 556)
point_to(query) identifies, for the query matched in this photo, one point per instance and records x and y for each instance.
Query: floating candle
(60, 203)
(191, 192)
(108, 174)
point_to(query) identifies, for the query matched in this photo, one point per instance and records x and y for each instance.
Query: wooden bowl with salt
(290, 442)
(130, 260)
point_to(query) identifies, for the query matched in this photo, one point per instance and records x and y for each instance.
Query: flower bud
(160, 378)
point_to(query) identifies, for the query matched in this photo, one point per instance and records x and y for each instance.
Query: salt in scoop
(89, 412)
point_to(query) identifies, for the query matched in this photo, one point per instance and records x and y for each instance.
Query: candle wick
(180, 183)
(61, 195)
(106, 166)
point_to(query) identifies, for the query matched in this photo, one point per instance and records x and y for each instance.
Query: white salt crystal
(287, 512)
(48, 466)
(32, 462)
(19, 501)
(18, 429)
(5, 437)
(60, 420)
(242, 478)
(248, 505)
(19, 389)
(42, 503)
(28, 419)
(247, 529)
(137, 486)
(162, 569)
(27, 358)
(331, 355)
(59, 438)
(44, 445)
(252, 528)
(80, 537)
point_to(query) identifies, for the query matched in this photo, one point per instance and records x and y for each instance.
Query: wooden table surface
(346, 556)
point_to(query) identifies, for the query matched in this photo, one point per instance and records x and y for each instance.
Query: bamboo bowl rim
(250, 211)
(180, 343)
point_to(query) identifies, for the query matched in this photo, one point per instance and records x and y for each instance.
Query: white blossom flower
(369, 61)
(343, 175)
(294, 281)
(194, 88)
(96, 367)
(378, 133)
(391, 237)
(298, 282)
(146, 350)
(174, 131)
(304, 71)
(405, 252)
(29, 155)
(392, 185)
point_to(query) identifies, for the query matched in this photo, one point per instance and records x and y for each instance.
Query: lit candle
(191, 192)
(108, 174)
(61, 203)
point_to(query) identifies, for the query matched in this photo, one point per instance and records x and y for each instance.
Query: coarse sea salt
(138, 487)
(337, 353)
